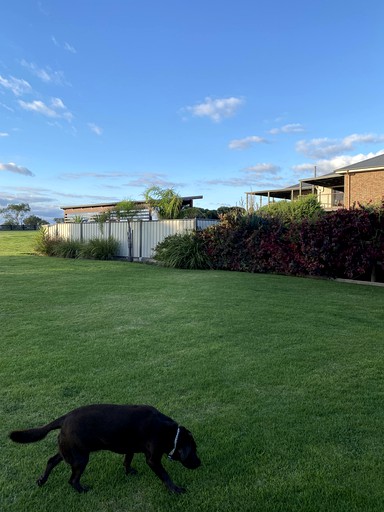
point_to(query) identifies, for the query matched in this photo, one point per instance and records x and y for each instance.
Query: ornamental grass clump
(69, 249)
(96, 249)
(182, 251)
(100, 249)
(45, 244)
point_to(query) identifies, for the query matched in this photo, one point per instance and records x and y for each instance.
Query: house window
(337, 198)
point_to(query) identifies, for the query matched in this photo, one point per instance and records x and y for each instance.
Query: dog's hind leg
(52, 463)
(127, 464)
(78, 464)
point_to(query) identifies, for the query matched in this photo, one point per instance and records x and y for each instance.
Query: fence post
(140, 240)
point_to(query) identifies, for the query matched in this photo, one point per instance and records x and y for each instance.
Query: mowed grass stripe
(279, 379)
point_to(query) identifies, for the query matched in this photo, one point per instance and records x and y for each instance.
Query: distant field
(280, 379)
(16, 242)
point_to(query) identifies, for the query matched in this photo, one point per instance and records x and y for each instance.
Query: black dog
(125, 429)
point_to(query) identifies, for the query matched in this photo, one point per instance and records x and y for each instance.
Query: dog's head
(186, 452)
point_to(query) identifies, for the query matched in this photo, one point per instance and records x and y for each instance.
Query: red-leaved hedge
(343, 243)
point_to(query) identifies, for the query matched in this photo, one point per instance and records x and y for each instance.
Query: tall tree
(33, 220)
(14, 213)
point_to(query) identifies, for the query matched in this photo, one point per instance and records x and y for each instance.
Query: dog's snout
(192, 462)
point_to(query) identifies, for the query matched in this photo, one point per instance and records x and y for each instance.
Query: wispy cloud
(262, 169)
(94, 175)
(16, 85)
(56, 109)
(261, 174)
(66, 46)
(326, 148)
(11, 167)
(6, 107)
(148, 179)
(215, 109)
(95, 129)
(135, 179)
(42, 9)
(247, 142)
(47, 75)
(69, 48)
(4, 134)
(288, 128)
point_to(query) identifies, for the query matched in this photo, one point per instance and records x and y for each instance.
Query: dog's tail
(36, 434)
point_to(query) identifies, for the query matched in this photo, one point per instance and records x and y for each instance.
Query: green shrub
(305, 207)
(182, 251)
(100, 249)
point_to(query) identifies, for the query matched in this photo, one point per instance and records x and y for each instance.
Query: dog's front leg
(154, 462)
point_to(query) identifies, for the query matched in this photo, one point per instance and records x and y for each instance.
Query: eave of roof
(280, 193)
(329, 180)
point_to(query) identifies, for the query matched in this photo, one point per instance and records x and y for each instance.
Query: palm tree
(165, 200)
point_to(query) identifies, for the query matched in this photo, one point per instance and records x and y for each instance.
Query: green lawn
(280, 379)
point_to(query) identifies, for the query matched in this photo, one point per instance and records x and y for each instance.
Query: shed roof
(114, 203)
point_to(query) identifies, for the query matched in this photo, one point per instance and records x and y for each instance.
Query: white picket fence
(145, 234)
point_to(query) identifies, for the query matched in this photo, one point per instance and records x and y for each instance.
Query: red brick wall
(364, 187)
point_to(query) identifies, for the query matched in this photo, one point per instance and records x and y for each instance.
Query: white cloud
(215, 109)
(95, 129)
(4, 134)
(17, 85)
(57, 109)
(325, 147)
(246, 142)
(288, 128)
(324, 166)
(45, 74)
(11, 167)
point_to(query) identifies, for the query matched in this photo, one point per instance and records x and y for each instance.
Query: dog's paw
(177, 490)
(82, 488)
(130, 471)
(41, 481)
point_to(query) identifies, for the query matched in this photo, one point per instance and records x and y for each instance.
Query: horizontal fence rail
(145, 234)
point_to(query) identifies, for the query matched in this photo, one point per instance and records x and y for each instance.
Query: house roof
(333, 179)
(377, 162)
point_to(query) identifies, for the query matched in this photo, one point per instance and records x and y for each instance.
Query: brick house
(362, 183)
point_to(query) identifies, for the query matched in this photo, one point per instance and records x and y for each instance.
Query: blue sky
(100, 99)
